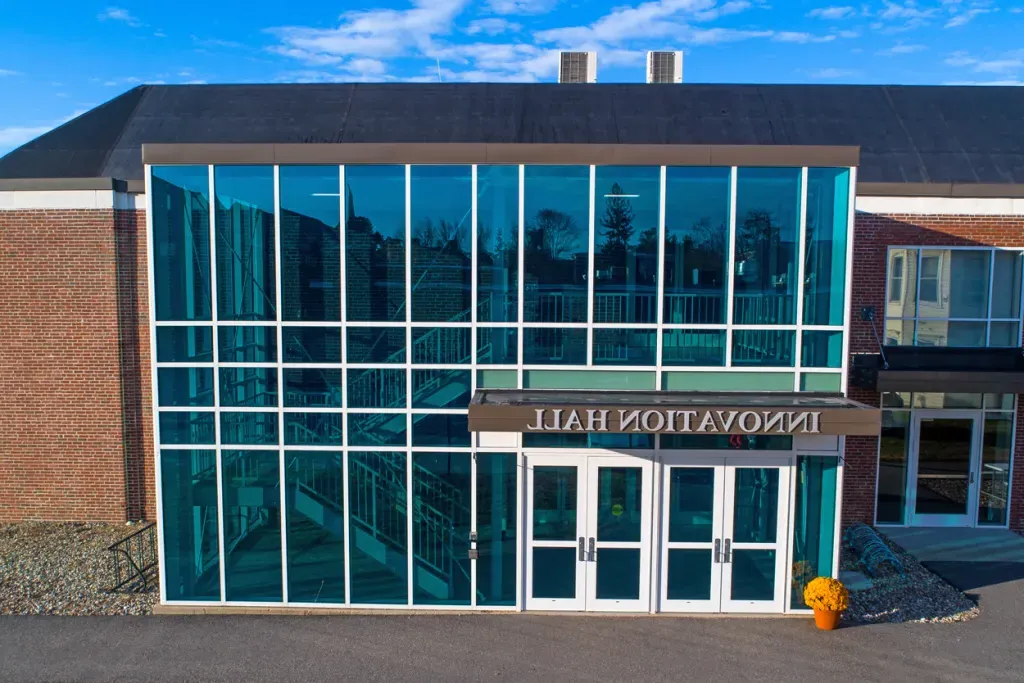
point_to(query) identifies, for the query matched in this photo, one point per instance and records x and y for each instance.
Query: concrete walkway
(968, 558)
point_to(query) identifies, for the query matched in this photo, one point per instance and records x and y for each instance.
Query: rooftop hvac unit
(664, 67)
(577, 67)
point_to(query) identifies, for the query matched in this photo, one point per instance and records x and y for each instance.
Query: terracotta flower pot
(826, 620)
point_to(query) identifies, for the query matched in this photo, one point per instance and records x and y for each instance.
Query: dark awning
(945, 369)
(684, 412)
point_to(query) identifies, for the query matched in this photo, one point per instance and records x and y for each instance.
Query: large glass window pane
(314, 497)
(497, 531)
(312, 344)
(554, 503)
(618, 574)
(901, 301)
(246, 278)
(184, 387)
(763, 348)
(693, 347)
(755, 505)
(557, 261)
(441, 204)
(995, 469)
(944, 458)
(625, 346)
(942, 333)
(441, 388)
(821, 349)
(892, 467)
(180, 428)
(378, 537)
(935, 399)
(627, 201)
(181, 242)
(376, 388)
(954, 283)
(497, 246)
(554, 346)
(587, 440)
(619, 497)
(312, 388)
(558, 580)
(1006, 284)
(376, 344)
(1003, 334)
(377, 429)
(179, 344)
(767, 225)
(721, 442)
(497, 345)
(255, 344)
(252, 526)
(814, 522)
(375, 243)
(696, 244)
(310, 243)
(440, 429)
(248, 387)
(828, 206)
(689, 574)
(313, 429)
(691, 504)
(249, 428)
(442, 345)
(442, 493)
(188, 496)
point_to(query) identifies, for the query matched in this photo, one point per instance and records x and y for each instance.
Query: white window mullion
(851, 218)
(801, 248)
(591, 270)
(218, 458)
(282, 478)
(343, 303)
(522, 274)
(730, 263)
(659, 299)
(991, 279)
(410, 565)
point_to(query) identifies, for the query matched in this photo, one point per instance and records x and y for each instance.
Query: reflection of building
(317, 340)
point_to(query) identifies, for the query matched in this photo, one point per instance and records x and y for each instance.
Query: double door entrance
(684, 534)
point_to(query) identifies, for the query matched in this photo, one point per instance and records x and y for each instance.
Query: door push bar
(718, 556)
(586, 555)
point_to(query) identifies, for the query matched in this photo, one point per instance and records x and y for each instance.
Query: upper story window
(953, 297)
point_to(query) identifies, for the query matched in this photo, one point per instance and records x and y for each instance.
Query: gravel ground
(918, 595)
(51, 568)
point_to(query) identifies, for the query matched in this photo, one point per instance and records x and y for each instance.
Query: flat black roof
(907, 134)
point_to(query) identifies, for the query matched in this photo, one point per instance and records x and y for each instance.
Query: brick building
(262, 326)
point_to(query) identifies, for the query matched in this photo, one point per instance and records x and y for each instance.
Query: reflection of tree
(443, 234)
(758, 239)
(552, 235)
(618, 225)
(701, 248)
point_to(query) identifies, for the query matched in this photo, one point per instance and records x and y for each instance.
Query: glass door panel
(556, 529)
(946, 454)
(691, 538)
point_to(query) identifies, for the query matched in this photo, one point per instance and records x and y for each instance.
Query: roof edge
(961, 190)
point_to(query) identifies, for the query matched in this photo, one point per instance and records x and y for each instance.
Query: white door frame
(970, 516)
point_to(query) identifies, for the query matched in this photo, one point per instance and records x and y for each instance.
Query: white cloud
(197, 81)
(15, 136)
(1006, 63)
(7, 72)
(731, 7)
(311, 58)
(832, 13)
(848, 34)
(119, 14)
(901, 49)
(1004, 82)
(521, 6)
(966, 16)
(492, 26)
(130, 80)
(829, 73)
(801, 37)
(908, 10)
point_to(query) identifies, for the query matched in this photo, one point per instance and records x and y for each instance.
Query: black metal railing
(133, 561)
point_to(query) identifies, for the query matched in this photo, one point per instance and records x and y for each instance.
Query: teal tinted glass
(814, 522)
(442, 345)
(693, 348)
(184, 387)
(441, 388)
(188, 497)
(312, 388)
(246, 280)
(554, 346)
(181, 242)
(497, 478)
(313, 429)
(316, 526)
(696, 244)
(767, 224)
(619, 496)
(180, 428)
(625, 346)
(554, 503)
(249, 428)
(691, 504)
(618, 574)
(249, 344)
(248, 387)
(587, 440)
(378, 545)
(440, 429)
(252, 526)
(377, 429)
(554, 573)
(820, 349)
(497, 254)
(689, 574)
(997, 445)
(828, 215)
(556, 252)
(375, 344)
(763, 348)
(755, 523)
(442, 486)
(893, 449)
(497, 345)
(376, 388)
(312, 344)
(441, 208)
(375, 243)
(179, 344)
(753, 575)
(721, 442)
(310, 243)
(627, 203)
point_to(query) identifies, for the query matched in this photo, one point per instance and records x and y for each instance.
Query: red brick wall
(873, 234)
(72, 283)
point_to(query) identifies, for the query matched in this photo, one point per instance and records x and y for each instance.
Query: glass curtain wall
(320, 330)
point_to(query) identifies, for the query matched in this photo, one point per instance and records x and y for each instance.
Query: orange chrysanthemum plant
(826, 594)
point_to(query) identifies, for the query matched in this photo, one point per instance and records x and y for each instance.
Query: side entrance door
(724, 533)
(944, 463)
(588, 532)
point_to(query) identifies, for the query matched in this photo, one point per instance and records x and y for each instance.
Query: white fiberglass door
(944, 460)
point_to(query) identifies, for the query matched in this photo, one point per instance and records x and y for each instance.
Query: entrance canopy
(670, 412)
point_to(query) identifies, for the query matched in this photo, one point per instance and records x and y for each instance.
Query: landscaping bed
(54, 568)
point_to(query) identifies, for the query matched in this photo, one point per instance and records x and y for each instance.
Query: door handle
(728, 550)
(718, 551)
(583, 550)
(972, 478)
(593, 552)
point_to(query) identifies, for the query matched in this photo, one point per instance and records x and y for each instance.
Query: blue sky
(66, 56)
